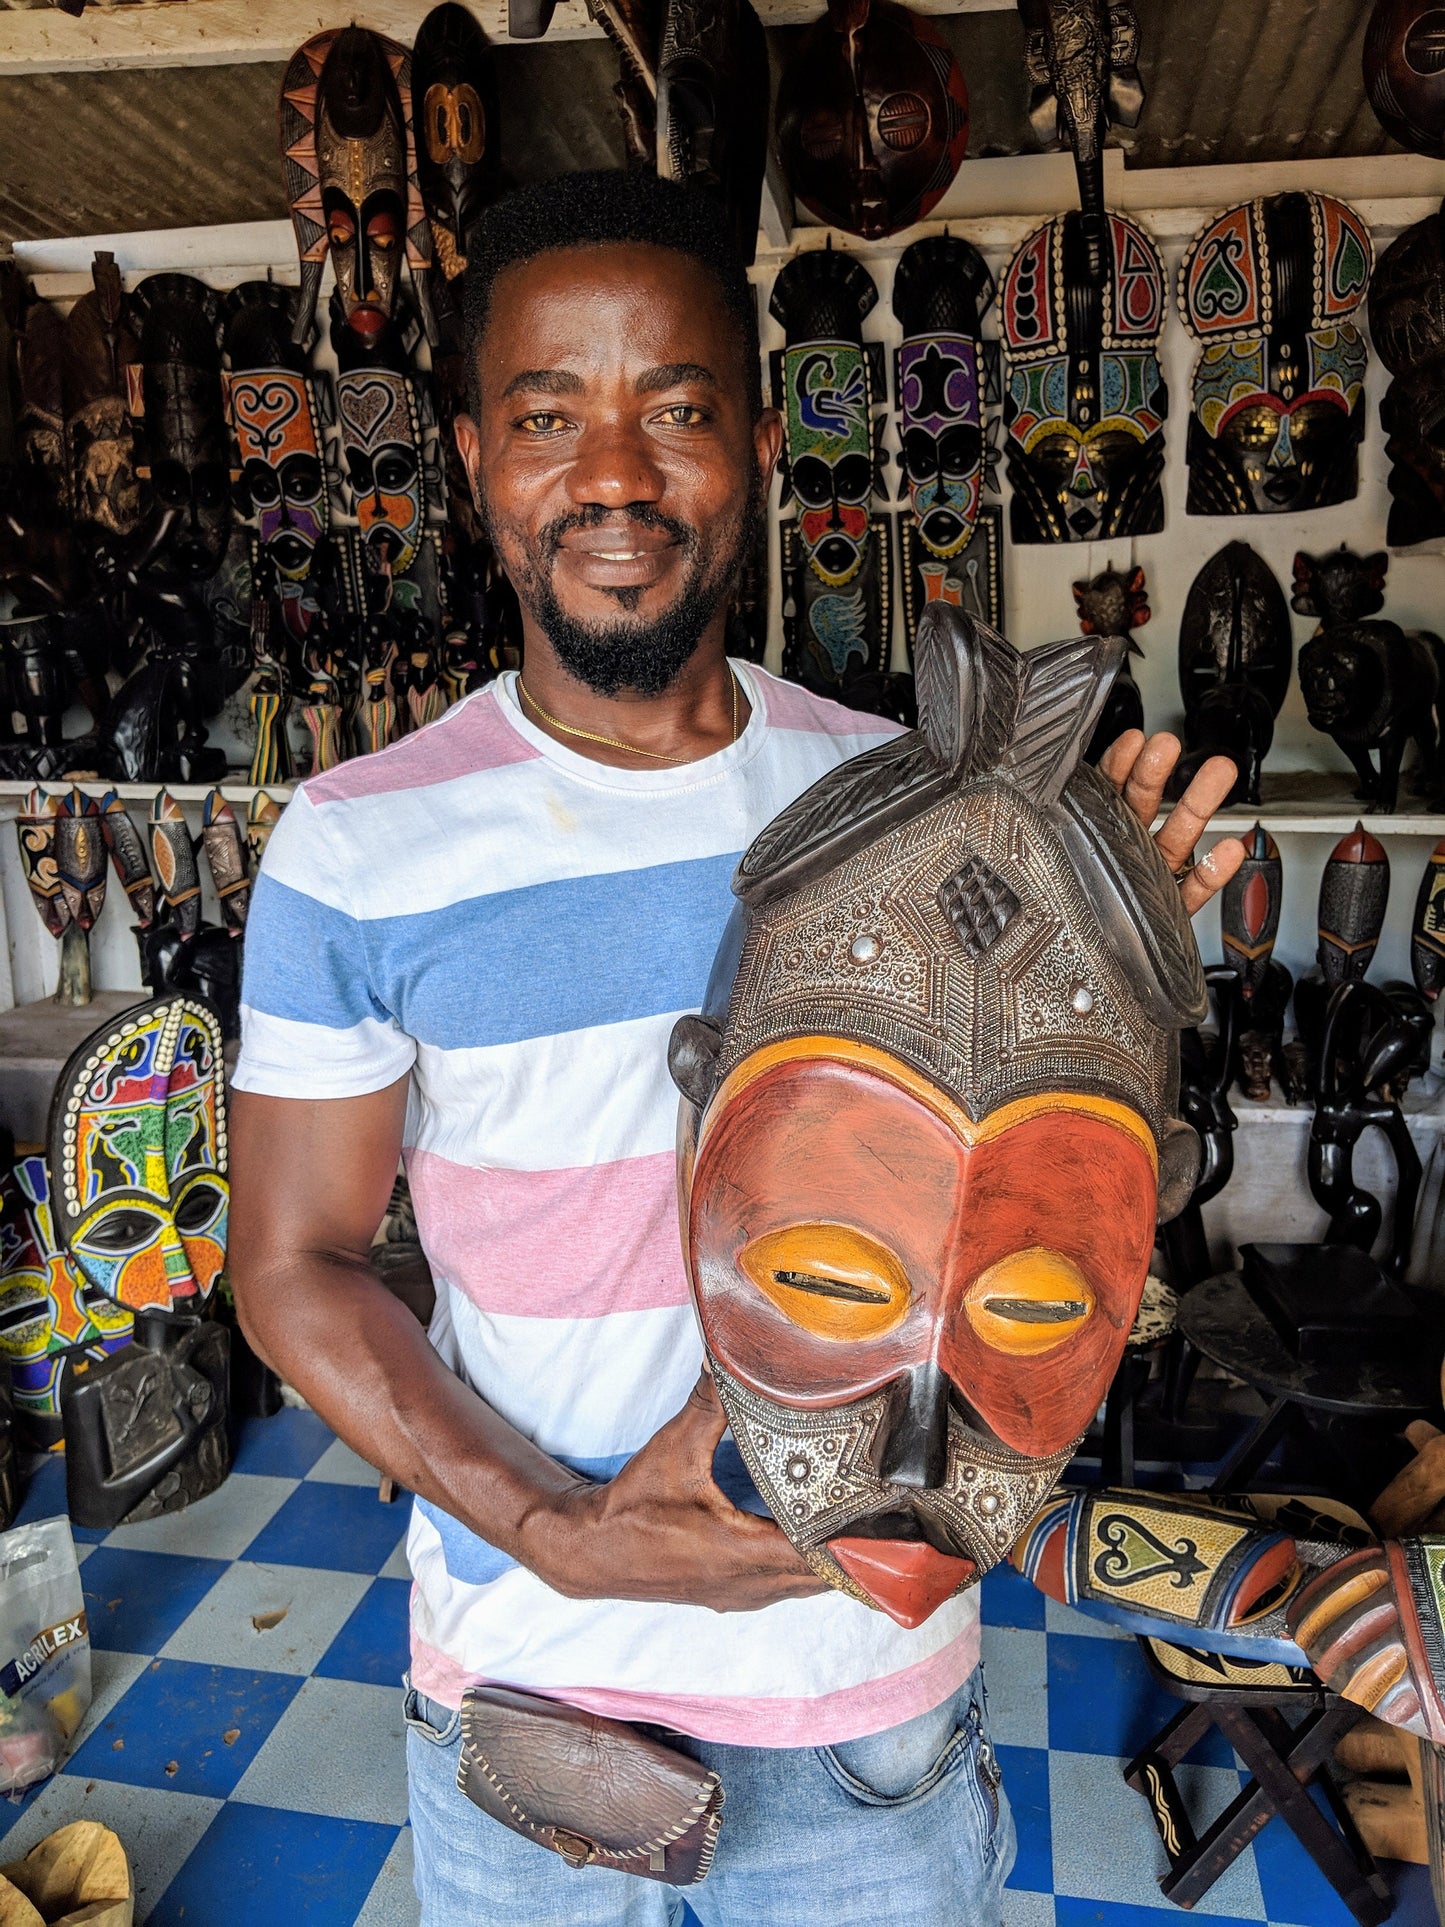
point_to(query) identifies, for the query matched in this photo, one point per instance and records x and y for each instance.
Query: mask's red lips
(908, 1578)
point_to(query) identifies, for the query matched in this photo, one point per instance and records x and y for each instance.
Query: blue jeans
(908, 1828)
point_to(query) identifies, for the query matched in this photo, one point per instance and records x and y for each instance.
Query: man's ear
(469, 447)
(768, 444)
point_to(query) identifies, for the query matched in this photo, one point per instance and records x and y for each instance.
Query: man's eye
(542, 423)
(684, 414)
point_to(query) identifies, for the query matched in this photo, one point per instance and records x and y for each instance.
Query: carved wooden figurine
(1085, 399)
(1269, 290)
(1235, 654)
(1370, 686)
(1248, 926)
(1354, 892)
(1405, 72)
(850, 1329)
(872, 117)
(225, 852)
(1407, 326)
(1368, 1042)
(137, 1151)
(1114, 604)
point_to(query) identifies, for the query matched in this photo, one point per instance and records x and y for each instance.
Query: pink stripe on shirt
(575, 1243)
(789, 706)
(826, 1720)
(471, 737)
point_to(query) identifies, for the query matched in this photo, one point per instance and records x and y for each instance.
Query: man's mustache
(595, 516)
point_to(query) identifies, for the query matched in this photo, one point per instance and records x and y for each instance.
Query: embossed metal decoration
(1269, 290)
(1085, 399)
(941, 1030)
(872, 117)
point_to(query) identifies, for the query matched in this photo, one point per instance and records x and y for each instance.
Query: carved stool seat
(1283, 1724)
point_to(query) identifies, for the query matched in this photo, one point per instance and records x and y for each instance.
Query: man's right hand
(662, 1530)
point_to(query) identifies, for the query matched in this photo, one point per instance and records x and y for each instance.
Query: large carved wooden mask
(929, 1121)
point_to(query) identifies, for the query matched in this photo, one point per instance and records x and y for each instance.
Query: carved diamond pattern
(978, 903)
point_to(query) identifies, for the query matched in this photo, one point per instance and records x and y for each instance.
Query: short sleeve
(311, 1023)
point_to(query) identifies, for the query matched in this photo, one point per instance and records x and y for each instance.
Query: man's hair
(592, 209)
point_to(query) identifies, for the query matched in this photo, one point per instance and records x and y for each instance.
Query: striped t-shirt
(518, 927)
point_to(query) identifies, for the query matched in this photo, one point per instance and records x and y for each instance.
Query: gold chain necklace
(613, 742)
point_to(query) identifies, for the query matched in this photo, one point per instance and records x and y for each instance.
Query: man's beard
(645, 656)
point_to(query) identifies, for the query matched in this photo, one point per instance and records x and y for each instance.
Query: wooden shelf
(231, 786)
(1320, 803)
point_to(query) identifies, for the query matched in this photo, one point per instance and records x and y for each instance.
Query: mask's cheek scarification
(843, 1232)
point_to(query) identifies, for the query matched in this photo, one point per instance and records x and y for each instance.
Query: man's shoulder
(473, 738)
(789, 707)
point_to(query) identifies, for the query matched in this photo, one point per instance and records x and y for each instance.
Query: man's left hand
(1139, 767)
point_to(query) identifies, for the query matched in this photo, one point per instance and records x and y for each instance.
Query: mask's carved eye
(829, 1279)
(1029, 1302)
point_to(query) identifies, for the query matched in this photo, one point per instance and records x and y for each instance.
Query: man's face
(614, 455)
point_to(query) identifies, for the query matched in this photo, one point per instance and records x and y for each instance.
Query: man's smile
(630, 556)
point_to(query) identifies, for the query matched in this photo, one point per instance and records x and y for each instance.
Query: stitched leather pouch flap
(595, 1791)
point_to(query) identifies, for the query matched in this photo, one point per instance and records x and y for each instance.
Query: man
(471, 949)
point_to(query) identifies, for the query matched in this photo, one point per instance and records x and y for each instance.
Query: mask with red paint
(929, 1121)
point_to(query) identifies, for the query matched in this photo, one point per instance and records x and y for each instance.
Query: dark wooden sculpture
(712, 107)
(836, 563)
(1405, 72)
(225, 852)
(1206, 1069)
(1407, 326)
(1248, 926)
(1114, 604)
(137, 1151)
(174, 856)
(872, 117)
(941, 290)
(100, 348)
(80, 869)
(1427, 927)
(1085, 400)
(128, 855)
(1269, 289)
(1235, 655)
(1082, 59)
(351, 178)
(1354, 892)
(1368, 1043)
(914, 966)
(454, 128)
(1370, 686)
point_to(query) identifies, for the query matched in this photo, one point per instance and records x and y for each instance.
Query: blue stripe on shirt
(495, 969)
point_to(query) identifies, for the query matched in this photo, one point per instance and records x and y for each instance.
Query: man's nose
(615, 467)
(914, 1448)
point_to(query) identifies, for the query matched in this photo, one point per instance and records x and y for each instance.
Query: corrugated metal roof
(1227, 80)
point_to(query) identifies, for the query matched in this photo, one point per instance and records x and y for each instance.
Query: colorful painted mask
(454, 101)
(872, 118)
(51, 1317)
(176, 391)
(377, 418)
(351, 180)
(100, 346)
(940, 289)
(930, 1117)
(1407, 326)
(1268, 290)
(273, 417)
(1085, 402)
(138, 1155)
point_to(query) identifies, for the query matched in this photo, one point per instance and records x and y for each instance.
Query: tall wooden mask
(99, 347)
(712, 107)
(940, 290)
(872, 118)
(273, 418)
(1085, 402)
(929, 1118)
(351, 179)
(381, 443)
(176, 390)
(1278, 409)
(1407, 326)
(454, 109)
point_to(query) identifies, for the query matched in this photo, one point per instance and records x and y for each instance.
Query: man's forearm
(365, 1365)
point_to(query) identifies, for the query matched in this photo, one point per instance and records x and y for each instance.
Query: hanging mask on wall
(137, 1149)
(941, 289)
(1278, 409)
(381, 442)
(1405, 72)
(1236, 652)
(100, 347)
(835, 553)
(872, 118)
(175, 391)
(454, 110)
(941, 1033)
(712, 108)
(273, 417)
(351, 179)
(1407, 326)
(1085, 399)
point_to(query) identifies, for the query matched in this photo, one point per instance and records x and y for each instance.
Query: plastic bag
(44, 1651)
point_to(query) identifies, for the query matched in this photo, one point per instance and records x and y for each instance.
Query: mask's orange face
(857, 1240)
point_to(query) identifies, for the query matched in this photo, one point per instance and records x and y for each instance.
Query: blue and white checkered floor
(246, 1736)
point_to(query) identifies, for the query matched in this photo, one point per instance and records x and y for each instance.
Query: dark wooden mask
(1407, 326)
(712, 106)
(1269, 290)
(177, 384)
(940, 1035)
(872, 117)
(454, 112)
(1405, 72)
(100, 345)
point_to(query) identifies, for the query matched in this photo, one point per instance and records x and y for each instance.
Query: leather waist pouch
(598, 1792)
